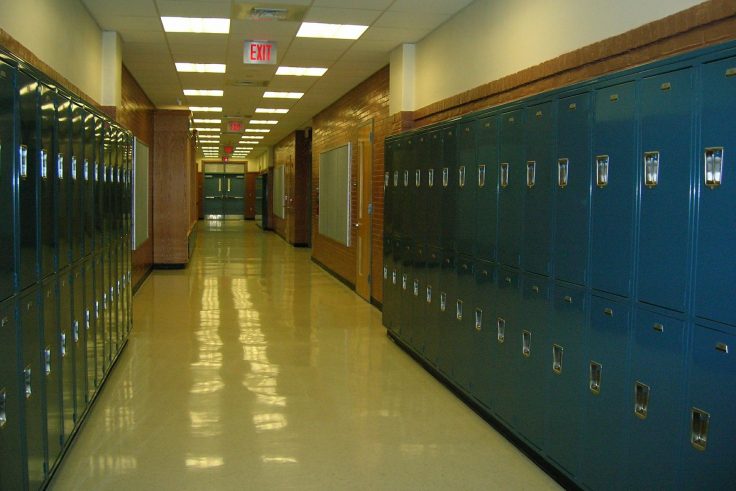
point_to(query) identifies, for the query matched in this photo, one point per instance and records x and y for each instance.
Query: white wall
(493, 38)
(62, 34)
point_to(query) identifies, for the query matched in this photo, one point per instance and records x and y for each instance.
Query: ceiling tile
(419, 19)
(194, 8)
(342, 15)
(449, 7)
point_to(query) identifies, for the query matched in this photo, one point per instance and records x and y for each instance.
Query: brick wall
(294, 153)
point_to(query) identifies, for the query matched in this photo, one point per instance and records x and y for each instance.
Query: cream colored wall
(62, 34)
(262, 162)
(491, 39)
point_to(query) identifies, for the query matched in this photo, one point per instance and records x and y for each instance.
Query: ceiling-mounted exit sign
(259, 53)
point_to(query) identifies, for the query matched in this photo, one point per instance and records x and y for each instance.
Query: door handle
(228, 185)
(356, 225)
(219, 185)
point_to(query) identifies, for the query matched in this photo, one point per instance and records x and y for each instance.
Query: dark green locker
(420, 190)
(532, 355)
(102, 335)
(52, 370)
(28, 183)
(88, 191)
(506, 350)
(98, 174)
(417, 324)
(434, 189)
(608, 401)
(106, 193)
(393, 293)
(119, 297)
(12, 470)
(462, 329)
(66, 344)
(111, 303)
(711, 421)
(79, 341)
(405, 293)
(397, 191)
(566, 369)
(90, 326)
(656, 415)
(572, 173)
(486, 216)
(539, 139)
(466, 186)
(408, 189)
(448, 180)
(666, 128)
(511, 180)
(614, 172)
(484, 332)
(447, 318)
(47, 214)
(388, 189)
(715, 278)
(63, 177)
(387, 308)
(76, 183)
(431, 299)
(34, 419)
(7, 180)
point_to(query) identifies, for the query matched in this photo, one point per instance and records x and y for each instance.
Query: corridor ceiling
(149, 53)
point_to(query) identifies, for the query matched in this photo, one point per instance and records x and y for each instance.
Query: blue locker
(532, 357)
(506, 350)
(710, 451)
(666, 128)
(79, 341)
(656, 410)
(448, 180)
(431, 299)
(566, 369)
(417, 326)
(462, 330)
(435, 191)
(52, 370)
(90, 326)
(572, 189)
(607, 402)
(33, 388)
(67, 350)
(48, 148)
(12, 469)
(486, 220)
(539, 148)
(63, 177)
(88, 195)
(28, 168)
(7, 180)
(715, 274)
(466, 185)
(446, 320)
(614, 172)
(76, 182)
(484, 332)
(511, 181)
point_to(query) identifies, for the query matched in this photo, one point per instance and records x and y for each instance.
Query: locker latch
(430, 178)
(563, 168)
(86, 170)
(3, 407)
(443, 301)
(478, 319)
(500, 329)
(526, 343)
(557, 352)
(481, 175)
(504, 174)
(406, 179)
(459, 310)
(651, 169)
(429, 293)
(531, 173)
(27, 382)
(601, 171)
(418, 178)
(385, 180)
(63, 344)
(713, 166)
(23, 157)
(86, 320)
(594, 377)
(44, 164)
(385, 273)
(60, 166)
(641, 400)
(74, 168)
(404, 282)
(416, 288)
(47, 361)
(396, 178)
(75, 331)
(699, 422)
(461, 176)
(445, 177)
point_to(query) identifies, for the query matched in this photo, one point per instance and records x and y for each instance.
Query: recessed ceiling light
(196, 24)
(300, 71)
(269, 110)
(263, 121)
(249, 142)
(257, 130)
(253, 137)
(200, 67)
(247, 148)
(207, 129)
(330, 31)
(211, 93)
(205, 109)
(283, 95)
(207, 121)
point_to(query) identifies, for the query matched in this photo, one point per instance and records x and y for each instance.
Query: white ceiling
(149, 53)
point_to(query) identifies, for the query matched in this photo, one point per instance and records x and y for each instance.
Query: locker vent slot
(44, 164)
(557, 352)
(563, 172)
(500, 329)
(713, 161)
(459, 310)
(23, 157)
(504, 174)
(47, 361)
(443, 301)
(461, 176)
(481, 175)
(594, 377)
(601, 171)
(478, 319)
(3, 407)
(699, 423)
(445, 177)
(429, 293)
(531, 173)
(651, 169)
(526, 344)
(430, 178)
(641, 400)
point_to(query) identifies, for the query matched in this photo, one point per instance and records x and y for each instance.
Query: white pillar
(112, 69)
(402, 70)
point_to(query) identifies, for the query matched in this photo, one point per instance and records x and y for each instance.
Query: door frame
(364, 222)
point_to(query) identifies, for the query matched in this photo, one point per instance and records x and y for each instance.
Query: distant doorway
(224, 196)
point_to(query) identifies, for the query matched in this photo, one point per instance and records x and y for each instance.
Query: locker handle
(443, 301)
(60, 166)
(393, 277)
(500, 329)
(416, 288)
(459, 310)
(445, 177)
(404, 282)
(713, 161)
(601, 171)
(526, 343)
(730, 72)
(385, 273)
(44, 164)
(594, 377)
(478, 319)
(481, 175)
(699, 423)
(418, 178)
(608, 311)
(567, 299)
(461, 176)
(219, 185)
(75, 331)
(86, 170)
(430, 178)
(658, 327)
(563, 172)
(507, 279)
(396, 178)
(429, 293)
(27, 382)
(651, 169)
(23, 157)
(63, 344)
(557, 353)
(722, 347)
(385, 180)
(406, 178)
(3, 407)
(504, 174)
(47, 361)
(641, 400)
(74, 168)
(531, 173)
(86, 320)
(228, 184)
(535, 289)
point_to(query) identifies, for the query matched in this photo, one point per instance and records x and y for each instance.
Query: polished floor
(253, 369)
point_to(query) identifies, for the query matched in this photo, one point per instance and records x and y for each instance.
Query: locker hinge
(370, 208)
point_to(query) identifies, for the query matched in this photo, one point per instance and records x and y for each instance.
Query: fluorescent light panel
(200, 67)
(256, 130)
(207, 121)
(204, 92)
(263, 121)
(269, 110)
(330, 31)
(301, 71)
(196, 25)
(210, 109)
(283, 95)
(207, 129)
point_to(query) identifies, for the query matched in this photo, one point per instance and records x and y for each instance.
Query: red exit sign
(259, 53)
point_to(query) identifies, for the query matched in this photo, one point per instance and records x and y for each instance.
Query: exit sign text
(259, 53)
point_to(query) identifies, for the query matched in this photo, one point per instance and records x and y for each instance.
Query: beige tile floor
(254, 369)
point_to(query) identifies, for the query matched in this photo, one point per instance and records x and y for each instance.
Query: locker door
(52, 370)
(447, 317)
(48, 101)
(566, 370)
(418, 279)
(111, 310)
(387, 310)
(572, 192)
(666, 126)
(486, 238)
(614, 172)
(431, 298)
(419, 181)
(448, 180)
(90, 327)
(484, 334)
(710, 452)
(408, 190)
(119, 299)
(102, 334)
(466, 182)
(434, 190)
(539, 137)
(405, 293)
(656, 397)
(463, 328)
(716, 278)
(532, 353)
(398, 188)
(388, 194)
(234, 194)
(66, 344)
(394, 289)
(79, 341)
(212, 189)
(12, 470)
(75, 188)
(608, 398)
(7, 178)
(63, 177)
(28, 171)
(33, 386)
(88, 198)
(106, 193)
(98, 185)
(511, 179)
(507, 346)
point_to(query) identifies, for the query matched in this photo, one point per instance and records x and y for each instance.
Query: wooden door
(363, 220)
